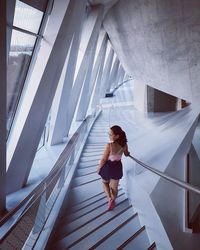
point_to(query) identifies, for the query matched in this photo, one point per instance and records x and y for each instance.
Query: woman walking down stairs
(84, 221)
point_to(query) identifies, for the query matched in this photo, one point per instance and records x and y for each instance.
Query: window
(27, 19)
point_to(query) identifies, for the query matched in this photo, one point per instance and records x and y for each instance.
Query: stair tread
(81, 221)
(82, 171)
(83, 179)
(85, 222)
(92, 238)
(90, 158)
(91, 207)
(140, 242)
(121, 235)
(88, 164)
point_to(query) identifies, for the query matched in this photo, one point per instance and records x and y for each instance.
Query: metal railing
(167, 177)
(119, 85)
(21, 227)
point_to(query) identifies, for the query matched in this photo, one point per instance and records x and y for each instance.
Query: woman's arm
(104, 157)
(126, 152)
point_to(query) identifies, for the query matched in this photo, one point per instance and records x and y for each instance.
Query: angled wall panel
(85, 64)
(3, 63)
(106, 73)
(25, 151)
(113, 74)
(99, 85)
(35, 73)
(38, 4)
(10, 10)
(59, 118)
(85, 99)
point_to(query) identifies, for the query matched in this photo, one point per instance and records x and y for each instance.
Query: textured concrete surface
(158, 42)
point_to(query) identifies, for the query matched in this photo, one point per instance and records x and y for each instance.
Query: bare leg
(114, 188)
(106, 188)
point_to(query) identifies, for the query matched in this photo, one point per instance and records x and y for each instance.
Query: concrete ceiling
(104, 2)
(158, 42)
(108, 4)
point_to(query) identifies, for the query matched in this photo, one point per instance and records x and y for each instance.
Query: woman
(110, 166)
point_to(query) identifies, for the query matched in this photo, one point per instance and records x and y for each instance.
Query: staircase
(84, 222)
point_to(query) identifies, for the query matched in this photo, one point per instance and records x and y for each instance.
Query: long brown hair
(117, 130)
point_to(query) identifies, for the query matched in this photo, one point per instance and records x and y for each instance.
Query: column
(10, 11)
(20, 167)
(106, 74)
(59, 116)
(85, 98)
(83, 75)
(113, 73)
(3, 63)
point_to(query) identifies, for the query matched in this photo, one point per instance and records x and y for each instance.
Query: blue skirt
(111, 170)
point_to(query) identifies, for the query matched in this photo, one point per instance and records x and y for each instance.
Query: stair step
(81, 180)
(88, 209)
(89, 161)
(152, 247)
(80, 205)
(88, 173)
(102, 141)
(85, 171)
(81, 183)
(119, 237)
(97, 134)
(90, 158)
(90, 148)
(88, 165)
(94, 231)
(91, 145)
(83, 205)
(138, 241)
(88, 218)
(90, 201)
(92, 151)
(91, 154)
(79, 194)
(85, 223)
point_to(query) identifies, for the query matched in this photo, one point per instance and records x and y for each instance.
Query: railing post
(31, 228)
(71, 160)
(3, 131)
(41, 214)
(39, 222)
(62, 178)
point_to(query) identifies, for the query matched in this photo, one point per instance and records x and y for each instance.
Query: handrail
(167, 177)
(53, 172)
(119, 85)
(34, 191)
(33, 212)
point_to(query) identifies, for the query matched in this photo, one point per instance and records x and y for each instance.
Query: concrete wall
(157, 42)
(3, 60)
(148, 99)
(194, 170)
(158, 101)
(169, 201)
(140, 95)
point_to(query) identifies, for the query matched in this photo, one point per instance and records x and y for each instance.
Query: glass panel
(27, 17)
(194, 174)
(18, 62)
(45, 134)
